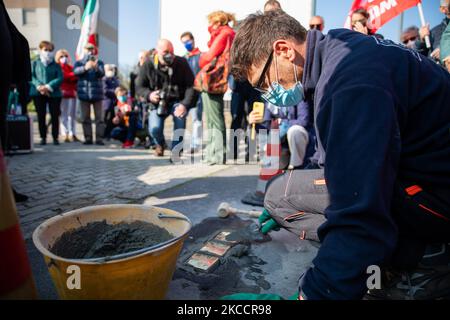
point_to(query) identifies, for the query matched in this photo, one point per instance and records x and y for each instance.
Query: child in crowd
(126, 119)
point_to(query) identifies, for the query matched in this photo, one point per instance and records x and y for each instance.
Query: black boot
(19, 197)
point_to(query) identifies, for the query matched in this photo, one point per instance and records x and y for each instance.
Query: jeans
(156, 127)
(197, 127)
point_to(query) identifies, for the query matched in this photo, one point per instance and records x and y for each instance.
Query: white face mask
(64, 60)
(110, 74)
(47, 57)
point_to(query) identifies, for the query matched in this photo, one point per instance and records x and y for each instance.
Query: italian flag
(88, 27)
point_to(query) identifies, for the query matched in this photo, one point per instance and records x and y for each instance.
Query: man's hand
(267, 223)
(359, 27)
(424, 32)
(90, 65)
(116, 120)
(447, 63)
(154, 97)
(436, 54)
(255, 117)
(180, 111)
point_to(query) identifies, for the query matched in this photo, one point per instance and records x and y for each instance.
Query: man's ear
(284, 49)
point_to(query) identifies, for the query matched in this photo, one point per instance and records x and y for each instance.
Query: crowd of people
(163, 84)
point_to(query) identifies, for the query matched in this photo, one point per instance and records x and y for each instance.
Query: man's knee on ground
(298, 133)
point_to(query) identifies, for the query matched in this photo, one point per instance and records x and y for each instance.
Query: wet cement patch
(99, 239)
(238, 271)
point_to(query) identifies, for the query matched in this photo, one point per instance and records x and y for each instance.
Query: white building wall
(34, 33)
(178, 16)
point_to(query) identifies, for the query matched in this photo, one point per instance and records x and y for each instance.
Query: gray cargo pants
(297, 200)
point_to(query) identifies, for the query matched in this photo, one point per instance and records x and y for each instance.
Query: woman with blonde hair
(212, 81)
(69, 93)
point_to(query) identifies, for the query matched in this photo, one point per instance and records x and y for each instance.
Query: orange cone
(271, 167)
(16, 280)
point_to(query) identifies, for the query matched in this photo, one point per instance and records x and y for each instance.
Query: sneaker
(100, 143)
(43, 142)
(19, 197)
(88, 143)
(67, 139)
(127, 145)
(56, 142)
(159, 151)
(75, 139)
(423, 283)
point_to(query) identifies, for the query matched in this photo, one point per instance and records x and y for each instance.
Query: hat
(89, 46)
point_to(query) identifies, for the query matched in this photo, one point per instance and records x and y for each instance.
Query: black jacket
(15, 53)
(382, 115)
(152, 78)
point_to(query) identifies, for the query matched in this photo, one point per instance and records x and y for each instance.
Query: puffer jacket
(90, 83)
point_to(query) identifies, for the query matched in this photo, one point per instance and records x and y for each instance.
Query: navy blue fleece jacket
(382, 113)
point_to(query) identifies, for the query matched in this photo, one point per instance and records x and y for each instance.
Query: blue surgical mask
(189, 45)
(281, 97)
(122, 99)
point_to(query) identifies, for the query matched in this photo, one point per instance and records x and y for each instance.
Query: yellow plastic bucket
(140, 275)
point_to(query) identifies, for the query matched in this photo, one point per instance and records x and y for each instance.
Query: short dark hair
(121, 89)
(255, 37)
(45, 44)
(187, 33)
(363, 12)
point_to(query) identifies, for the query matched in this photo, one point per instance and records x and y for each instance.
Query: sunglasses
(262, 77)
(315, 26)
(410, 39)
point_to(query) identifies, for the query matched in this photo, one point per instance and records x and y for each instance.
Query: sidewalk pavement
(62, 178)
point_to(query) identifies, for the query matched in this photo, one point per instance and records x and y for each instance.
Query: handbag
(213, 78)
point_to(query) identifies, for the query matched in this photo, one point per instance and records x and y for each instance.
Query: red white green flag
(88, 27)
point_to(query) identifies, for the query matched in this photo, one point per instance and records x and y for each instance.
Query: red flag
(381, 11)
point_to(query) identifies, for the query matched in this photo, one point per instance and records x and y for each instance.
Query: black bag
(19, 134)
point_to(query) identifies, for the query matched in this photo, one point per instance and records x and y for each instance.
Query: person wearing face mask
(45, 90)
(435, 34)
(382, 195)
(193, 57)
(409, 37)
(90, 71)
(222, 36)
(167, 84)
(111, 82)
(69, 94)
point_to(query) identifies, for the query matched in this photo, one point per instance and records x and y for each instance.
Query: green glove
(267, 223)
(252, 296)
